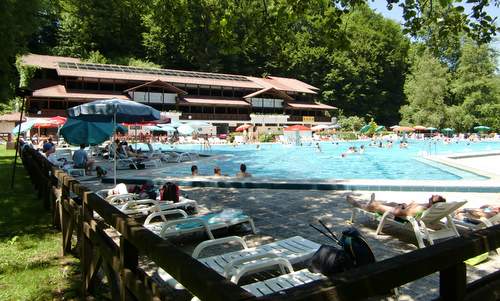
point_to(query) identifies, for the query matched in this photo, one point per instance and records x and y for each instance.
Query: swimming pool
(306, 162)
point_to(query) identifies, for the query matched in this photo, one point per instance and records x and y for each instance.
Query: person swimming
(194, 170)
(243, 172)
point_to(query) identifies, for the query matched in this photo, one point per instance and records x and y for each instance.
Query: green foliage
(18, 21)
(96, 57)
(351, 123)
(426, 88)
(267, 137)
(26, 72)
(347, 135)
(372, 129)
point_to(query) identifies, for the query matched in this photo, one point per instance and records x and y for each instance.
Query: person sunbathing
(397, 209)
(486, 211)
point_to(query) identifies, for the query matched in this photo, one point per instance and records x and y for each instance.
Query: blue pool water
(305, 162)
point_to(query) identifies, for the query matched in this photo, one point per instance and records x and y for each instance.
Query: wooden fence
(72, 206)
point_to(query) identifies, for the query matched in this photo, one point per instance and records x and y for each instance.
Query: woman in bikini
(398, 209)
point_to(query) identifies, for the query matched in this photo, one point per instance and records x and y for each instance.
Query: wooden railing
(297, 118)
(207, 116)
(73, 206)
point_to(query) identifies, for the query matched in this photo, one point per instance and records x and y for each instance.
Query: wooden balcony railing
(48, 113)
(207, 116)
(316, 118)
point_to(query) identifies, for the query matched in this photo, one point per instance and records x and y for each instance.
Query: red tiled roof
(59, 91)
(11, 117)
(47, 61)
(316, 105)
(214, 101)
(270, 90)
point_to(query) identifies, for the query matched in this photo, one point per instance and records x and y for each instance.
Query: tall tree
(18, 21)
(476, 86)
(426, 88)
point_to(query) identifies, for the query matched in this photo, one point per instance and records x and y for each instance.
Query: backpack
(170, 192)
(352, 251)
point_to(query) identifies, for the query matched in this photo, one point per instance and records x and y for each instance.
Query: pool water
(306, 162)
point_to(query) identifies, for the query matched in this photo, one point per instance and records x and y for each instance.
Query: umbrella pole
(116, 146)
(17, 146)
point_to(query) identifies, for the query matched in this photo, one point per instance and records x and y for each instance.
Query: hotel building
(223, 100)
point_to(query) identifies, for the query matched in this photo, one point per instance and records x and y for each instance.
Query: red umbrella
(145, 123)
(420, 128)
(53, 122)
(297, 128)
(243, 127)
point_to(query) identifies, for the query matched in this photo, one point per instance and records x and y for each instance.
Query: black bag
(356, 246)
(329, 260)
(353, 252)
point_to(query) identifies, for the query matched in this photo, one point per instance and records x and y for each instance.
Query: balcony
(48, 113)
(207, 116)
(295, 118)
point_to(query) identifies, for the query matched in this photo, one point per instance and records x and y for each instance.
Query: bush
(347, 135)
(267, 137)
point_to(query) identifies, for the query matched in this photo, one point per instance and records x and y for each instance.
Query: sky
(396, 14)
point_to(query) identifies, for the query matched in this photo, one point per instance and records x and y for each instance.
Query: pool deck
(282, 209)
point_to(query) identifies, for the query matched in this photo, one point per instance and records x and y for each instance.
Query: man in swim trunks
(486, 211)
(398, 209)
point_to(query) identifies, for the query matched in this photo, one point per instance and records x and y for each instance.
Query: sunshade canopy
(447, 130)
(482, 128)
(78, 132)
(105, 110)
(243, 127)
(365, 128)
(185, 129)
(297, 128)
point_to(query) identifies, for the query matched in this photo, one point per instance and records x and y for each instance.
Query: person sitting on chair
(486, 211)
(397, 209)
(81, 160)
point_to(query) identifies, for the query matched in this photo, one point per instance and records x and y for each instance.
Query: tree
(425, 89)
(476, 86)
(18, 21)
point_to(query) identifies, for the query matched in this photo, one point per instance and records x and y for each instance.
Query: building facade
(223, 100)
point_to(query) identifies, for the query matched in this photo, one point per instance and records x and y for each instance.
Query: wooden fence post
(453, 282)
(129, 259)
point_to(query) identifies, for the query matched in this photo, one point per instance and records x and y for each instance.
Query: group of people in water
(218, 172)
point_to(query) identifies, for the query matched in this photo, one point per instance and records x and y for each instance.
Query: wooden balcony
(207, 116)
(48, 113)
(297, 118)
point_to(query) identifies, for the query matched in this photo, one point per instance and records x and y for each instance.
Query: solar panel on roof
(130, 69)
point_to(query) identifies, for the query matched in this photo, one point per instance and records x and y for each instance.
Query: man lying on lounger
(398, 209)
(486, 211)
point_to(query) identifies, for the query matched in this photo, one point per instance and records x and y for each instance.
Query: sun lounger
(420, 225)
(147, 206)
(475, 224)
(294, 250)
(211, 221)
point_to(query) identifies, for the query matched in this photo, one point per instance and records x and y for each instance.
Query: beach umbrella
(166, 128)
(448, 130)
(114, 110)
(297, 128)
(482, 128)
(379, 128)
(403, 129)
(185, 130)
(25, 126)
(420, 128)
(334, 126)
(243, 127)
(78, 132)
(393, 127)
(320, 127)
(365, 128)
(431, 129)
(198, 124)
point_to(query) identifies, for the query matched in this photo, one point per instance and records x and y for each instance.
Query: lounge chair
(147, 206)
(207, 222)
(294, 249)
(476, 224)
(420, 225)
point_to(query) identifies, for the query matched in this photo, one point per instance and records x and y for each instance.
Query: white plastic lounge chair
(476, 224)
(175, 157)
(294, 249)
(420, 224)
(117, 195)
(147, 206)
(208, 222)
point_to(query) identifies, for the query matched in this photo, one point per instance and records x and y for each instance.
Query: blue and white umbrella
(114, 110)
(185, 130)
(25, 126)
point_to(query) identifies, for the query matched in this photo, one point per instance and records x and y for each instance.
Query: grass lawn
(31, 265)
